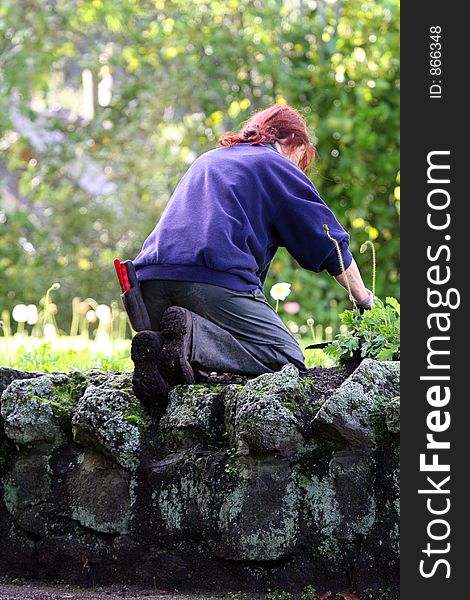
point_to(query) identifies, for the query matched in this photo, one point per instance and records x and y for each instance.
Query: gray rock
(8, 375)
(109, 419)
(235, 487)
(349, 411)
(259, 416)
(28, 482)
(99, 495)
(18, 556)
(259, 517)
(31, 408)
(392, 415)
(351, 475)
(194, 415)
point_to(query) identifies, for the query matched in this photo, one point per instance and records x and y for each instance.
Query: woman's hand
(366, 303)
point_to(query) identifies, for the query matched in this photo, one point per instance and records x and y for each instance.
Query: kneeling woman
(202, 268)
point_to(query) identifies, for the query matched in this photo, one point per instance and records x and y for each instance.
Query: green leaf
(393, 302)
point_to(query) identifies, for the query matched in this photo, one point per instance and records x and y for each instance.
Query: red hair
(278, 123)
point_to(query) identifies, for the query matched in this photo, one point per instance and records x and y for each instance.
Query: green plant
(230, 468)
(373, 334)
(235, 595)
(317, 358)
(309, 593)
(278, 595)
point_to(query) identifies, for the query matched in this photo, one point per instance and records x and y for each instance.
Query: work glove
(366, 302)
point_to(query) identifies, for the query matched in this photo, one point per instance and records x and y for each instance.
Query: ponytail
(278, 123)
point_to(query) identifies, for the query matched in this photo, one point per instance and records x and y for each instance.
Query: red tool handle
(117, 266)
(125, 279)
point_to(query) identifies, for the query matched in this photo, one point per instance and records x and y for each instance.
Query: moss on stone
(232, 505)
(63, 394)
(170, 507)
(259, 417)
(109, 419)
(392, 415)
(377, 418)
(193, 417)
(10, 496)
(27, 411)
(267, 513)
(290, 406)
(136, 415)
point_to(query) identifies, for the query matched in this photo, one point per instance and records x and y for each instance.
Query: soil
(42, 591)
(326, 381)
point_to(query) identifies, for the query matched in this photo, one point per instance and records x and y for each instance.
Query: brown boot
(148, 384)
(173, 361)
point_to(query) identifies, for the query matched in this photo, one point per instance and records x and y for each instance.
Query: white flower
(280, 291)
(103, 312)
(32, 314)
(50, 332)
(293, 326)
(91, 316)
(20, 313)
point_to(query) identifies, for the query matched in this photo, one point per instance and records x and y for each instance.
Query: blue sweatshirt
(231, 211)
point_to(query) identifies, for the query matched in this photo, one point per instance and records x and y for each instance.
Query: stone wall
(247, 486)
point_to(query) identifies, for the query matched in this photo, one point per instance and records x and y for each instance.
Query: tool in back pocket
(131, 296)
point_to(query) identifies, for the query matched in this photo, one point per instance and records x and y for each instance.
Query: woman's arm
(362, 296)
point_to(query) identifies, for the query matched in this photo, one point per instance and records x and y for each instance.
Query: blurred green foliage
(183, 72)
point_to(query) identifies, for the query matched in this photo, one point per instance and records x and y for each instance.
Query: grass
(30, 338)
(65, 353)
(77, 353)
(317, 358)
(98, 339)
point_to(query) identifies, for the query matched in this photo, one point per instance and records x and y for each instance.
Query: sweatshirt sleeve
(300, 216)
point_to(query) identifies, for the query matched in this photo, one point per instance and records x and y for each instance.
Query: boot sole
(176, 328)
(148, 385)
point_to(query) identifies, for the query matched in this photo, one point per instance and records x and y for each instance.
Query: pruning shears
(126, 279)
(320, 345)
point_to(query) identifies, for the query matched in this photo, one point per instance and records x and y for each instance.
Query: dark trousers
(233, 331)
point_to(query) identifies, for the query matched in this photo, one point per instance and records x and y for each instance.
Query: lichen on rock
(193, 416)
(8, 375)
(258, 417)
(31, 408)
(392, 415)
(258, 519)
(103, 420)
(98, 494)
(348, 412)
(259, 482)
